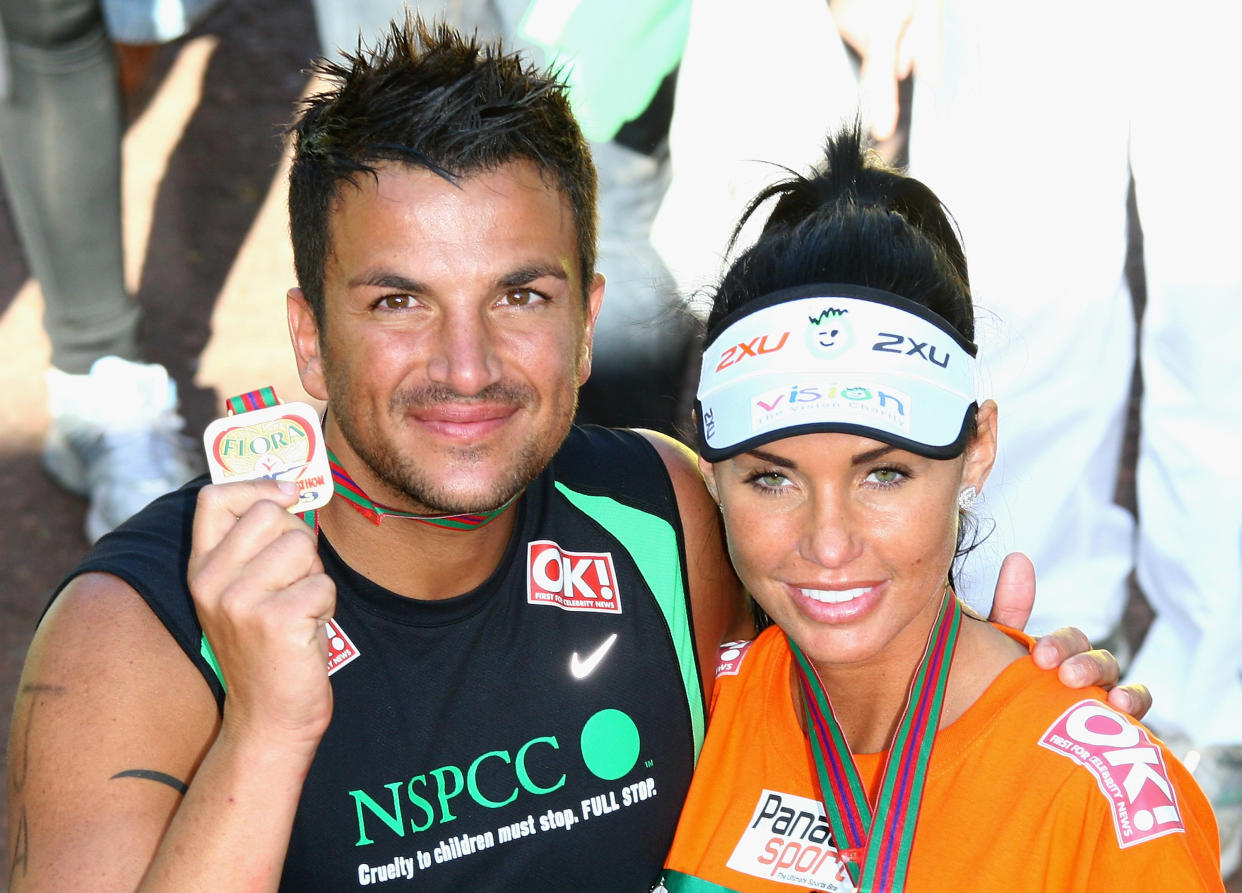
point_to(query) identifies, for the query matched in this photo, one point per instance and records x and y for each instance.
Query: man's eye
(395, 302)
(521, 297)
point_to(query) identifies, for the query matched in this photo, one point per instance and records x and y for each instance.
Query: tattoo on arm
(19, 766)
(153, 775)
(21, 850)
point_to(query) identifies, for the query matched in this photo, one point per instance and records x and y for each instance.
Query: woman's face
(845, 541)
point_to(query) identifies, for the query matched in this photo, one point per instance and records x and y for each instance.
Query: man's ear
(304, 333)
(594, 301)
(981, 451)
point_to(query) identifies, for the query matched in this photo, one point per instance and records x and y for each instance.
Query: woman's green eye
(886, 476)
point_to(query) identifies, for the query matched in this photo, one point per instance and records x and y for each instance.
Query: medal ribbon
(875, 845)
(252, 400)
(347, 488)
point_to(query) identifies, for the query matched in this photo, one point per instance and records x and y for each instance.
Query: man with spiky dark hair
(522, 616)
(458, 111)
(534, 611)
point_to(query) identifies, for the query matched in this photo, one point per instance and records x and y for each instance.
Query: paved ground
(208, 256)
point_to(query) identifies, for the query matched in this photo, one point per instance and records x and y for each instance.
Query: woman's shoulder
(1088, 770)
(732, 658)
(748, 665)
(1071, 741)
(982, 654)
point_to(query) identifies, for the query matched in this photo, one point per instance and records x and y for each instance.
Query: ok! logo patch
(572, 581)
(1127, 765)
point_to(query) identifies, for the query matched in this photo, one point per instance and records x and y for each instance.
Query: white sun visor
(836, 358)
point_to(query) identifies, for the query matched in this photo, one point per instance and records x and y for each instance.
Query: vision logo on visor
(868, 362)
(815, 399)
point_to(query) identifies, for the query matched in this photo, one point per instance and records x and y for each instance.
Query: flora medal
(263, 438)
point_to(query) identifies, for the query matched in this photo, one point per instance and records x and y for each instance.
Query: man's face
(454, 335)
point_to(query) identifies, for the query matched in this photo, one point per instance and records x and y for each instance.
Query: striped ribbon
(252, 400)
(348, 489)
(875, 845)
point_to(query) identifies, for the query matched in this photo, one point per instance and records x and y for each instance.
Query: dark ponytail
(858, 222)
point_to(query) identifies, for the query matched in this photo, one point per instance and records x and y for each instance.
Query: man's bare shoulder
(111, 720)
(693, 500)
(715, 593)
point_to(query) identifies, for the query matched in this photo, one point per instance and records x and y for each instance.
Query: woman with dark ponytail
(876, 736)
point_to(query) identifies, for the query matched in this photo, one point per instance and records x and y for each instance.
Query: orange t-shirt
(1036, 787)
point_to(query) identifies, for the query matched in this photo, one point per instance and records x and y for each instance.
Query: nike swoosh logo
(581, 669)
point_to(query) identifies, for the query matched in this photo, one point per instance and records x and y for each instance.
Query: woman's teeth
(834, 596)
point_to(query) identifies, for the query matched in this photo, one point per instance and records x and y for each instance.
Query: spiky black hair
(428, 96)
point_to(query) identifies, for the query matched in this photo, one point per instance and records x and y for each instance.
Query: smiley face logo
(829, 332)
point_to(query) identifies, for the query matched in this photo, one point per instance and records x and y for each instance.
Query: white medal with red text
(264, 438)
(261, 438)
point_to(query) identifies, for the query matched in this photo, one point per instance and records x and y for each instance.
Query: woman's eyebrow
(772, 458)
(859, 459)
(872, 455)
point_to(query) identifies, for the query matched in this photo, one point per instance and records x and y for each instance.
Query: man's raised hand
(262, 599)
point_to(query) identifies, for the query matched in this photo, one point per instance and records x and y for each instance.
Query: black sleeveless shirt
(536, 733)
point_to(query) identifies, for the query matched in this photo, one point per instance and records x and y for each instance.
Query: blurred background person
(1090, 101)
(114, 430)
